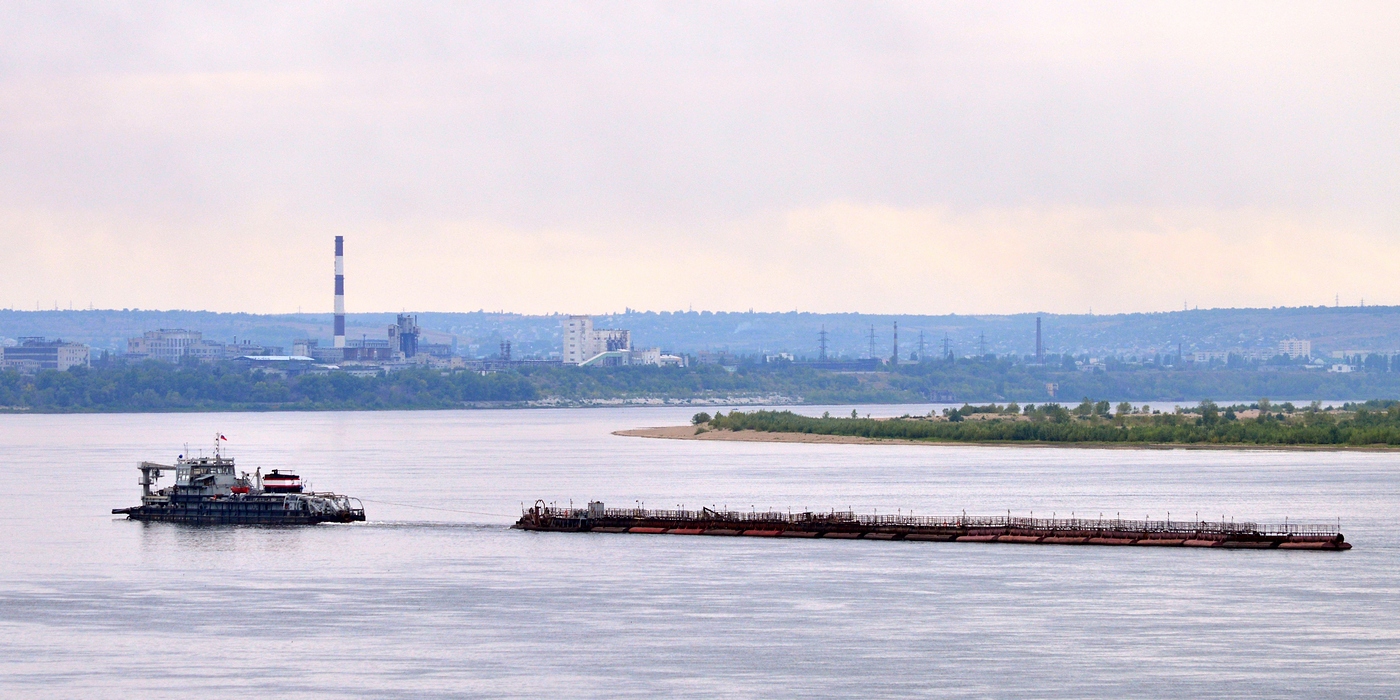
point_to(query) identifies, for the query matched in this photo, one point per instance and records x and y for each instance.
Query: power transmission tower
(982, 344)
(871, 354)
(921, 346)
(822, 340)
(947, 347)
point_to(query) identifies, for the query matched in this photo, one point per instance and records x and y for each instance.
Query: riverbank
(689, 432)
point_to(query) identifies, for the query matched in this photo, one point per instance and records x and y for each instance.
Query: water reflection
(428, 600)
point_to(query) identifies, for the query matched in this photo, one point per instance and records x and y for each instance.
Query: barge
(847, 525)
(208, 491)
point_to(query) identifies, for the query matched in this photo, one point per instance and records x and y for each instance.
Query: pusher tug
(207, 491)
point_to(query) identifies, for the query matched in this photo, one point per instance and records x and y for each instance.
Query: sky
(585, 157)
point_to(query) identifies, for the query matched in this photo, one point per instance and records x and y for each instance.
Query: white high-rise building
(582, 341)
(1295, 348)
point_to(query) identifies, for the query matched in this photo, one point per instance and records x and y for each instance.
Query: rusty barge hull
(998, 529)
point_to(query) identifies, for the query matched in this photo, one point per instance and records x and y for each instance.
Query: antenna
(921, 346)
(947, 347)
(871, 353)
(982, 344)
(821, 341)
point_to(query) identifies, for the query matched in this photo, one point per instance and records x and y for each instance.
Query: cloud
(842, 256)
(873, 156)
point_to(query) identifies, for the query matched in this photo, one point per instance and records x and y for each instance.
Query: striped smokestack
(340, 291)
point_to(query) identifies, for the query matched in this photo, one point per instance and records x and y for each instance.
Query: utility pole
(895, 360)
(821, 339)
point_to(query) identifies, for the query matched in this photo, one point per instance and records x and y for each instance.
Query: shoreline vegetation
(1373, 425)
(117, 386)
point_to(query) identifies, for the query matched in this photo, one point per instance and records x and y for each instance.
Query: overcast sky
(583, 157)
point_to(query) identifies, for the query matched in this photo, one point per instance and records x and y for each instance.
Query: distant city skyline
(1252, 331)
(909, 158)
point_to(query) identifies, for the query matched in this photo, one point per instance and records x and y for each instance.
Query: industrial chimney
(895, 360)
(1039, 348)
(340, 291)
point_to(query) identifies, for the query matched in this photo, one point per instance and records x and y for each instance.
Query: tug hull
(249, 510)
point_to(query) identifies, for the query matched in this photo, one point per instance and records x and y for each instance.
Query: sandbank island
(1372, 426)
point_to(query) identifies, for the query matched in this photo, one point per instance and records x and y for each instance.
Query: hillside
(479, 333)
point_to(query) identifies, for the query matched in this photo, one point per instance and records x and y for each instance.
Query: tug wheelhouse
(277, 482)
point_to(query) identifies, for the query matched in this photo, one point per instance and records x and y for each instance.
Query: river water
(436, 597)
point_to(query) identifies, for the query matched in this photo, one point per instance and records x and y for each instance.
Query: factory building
(169, 345)
(39, 353)
(310, 347)
(403, 335)
(367, 350)
(175, 344)
(583, 344)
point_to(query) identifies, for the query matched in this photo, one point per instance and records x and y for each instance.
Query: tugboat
(207, 491)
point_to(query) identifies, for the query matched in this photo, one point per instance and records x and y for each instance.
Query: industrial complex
(32, 354)
(305, 344)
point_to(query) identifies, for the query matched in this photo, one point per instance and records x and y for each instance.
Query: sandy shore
(688, 432)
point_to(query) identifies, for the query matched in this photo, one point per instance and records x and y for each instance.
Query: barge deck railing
(834, 517)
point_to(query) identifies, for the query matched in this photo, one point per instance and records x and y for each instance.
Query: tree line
(157, 386)
(1370, 423)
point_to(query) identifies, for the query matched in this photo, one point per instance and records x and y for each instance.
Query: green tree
(1210, 413)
